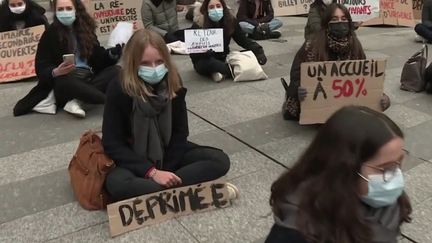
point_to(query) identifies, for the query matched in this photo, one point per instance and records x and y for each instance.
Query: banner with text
(202, 40)
(362, 10)
(157, 207)
(394, 12)
(17, 53)
(107, 13)
(332, 85)
(291, 7)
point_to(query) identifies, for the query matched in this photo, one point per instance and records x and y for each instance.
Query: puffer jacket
(160, 16)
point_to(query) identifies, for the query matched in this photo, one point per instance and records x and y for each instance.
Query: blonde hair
(131, 59)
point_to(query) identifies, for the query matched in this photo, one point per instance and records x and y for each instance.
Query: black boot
(275, 35)
(257, 34)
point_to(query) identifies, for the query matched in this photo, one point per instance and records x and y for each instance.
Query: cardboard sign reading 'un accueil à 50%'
(17, 53)
(157, 207)
(333, 85)
(202, 40)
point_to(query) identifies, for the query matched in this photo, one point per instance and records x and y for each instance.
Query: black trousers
(199, 164)
(207, 66)
(87, 88)
(280, 234)
(424, 31)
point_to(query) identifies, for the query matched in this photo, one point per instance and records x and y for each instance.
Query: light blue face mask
(383, 193)
(215, 14)
(152, 75)
(67, 18)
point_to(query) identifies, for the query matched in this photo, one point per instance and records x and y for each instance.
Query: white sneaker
(217, 77)
(233, 191)
(47, 105)
(419, 38)
(73, 107)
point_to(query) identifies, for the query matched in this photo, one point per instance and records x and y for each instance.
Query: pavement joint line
(240, 140)
(187, 230)
(70, 233)
(408, 238)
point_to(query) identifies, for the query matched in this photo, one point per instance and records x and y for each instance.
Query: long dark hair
(84, 28)
(327, 173)
(320, 43)
(229, 21)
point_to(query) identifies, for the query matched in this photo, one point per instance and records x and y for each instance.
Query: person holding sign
(215, 14)
(145, 126)
(21, 14)
(336, 41)
(316, 11)
(71, 61)
(257, 19)
(348, 185)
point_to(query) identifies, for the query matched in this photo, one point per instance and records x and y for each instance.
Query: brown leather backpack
(88, 169)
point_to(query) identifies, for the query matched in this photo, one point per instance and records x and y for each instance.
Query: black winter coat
(32, 16)
(279, 234)
(238, 36)
(117, 132)
(49, 55)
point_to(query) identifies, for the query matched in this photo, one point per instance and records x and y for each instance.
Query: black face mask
(339, 29)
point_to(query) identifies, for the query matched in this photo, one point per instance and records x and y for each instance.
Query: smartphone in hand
(69, 58)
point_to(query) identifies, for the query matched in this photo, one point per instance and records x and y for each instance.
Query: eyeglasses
(388, 173)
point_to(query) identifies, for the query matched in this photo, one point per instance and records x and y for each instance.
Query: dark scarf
(339, 47)
(151, 124)
(384, 222)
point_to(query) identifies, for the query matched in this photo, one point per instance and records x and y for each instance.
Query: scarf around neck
(151, 124)
(383, 222)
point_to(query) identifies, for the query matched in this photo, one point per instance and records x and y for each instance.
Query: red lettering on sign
(347, 88)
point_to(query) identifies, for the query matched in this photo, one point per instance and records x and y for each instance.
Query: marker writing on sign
(347, 68)
(170, 201)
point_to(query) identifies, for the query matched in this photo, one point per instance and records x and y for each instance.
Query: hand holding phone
(69, 58)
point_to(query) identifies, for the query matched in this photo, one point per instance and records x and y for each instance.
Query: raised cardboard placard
(362, 10)
(291, 7)
(394, 12)
(157, 207)
(107, 13)
(17, 53)
(332, 85)
(202, 40)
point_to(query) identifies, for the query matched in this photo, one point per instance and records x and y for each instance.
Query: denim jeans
(249, 28)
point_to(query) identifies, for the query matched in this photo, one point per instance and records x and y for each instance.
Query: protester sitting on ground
(161, 16)
(257, 19)
(215, 14)
(21, 14)
(145, 126)
(335, 41)
(424, 29)
(347, 186)
(83, 79)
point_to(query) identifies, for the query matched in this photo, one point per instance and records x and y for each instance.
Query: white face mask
(327, 2)
(383, 193)
(18, 10)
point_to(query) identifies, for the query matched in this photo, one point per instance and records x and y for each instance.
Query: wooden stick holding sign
(17, 53)
(203, 40)
(157, 207)
(332, 85)
(107, 13)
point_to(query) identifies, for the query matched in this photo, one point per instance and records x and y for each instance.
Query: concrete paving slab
(9, 97)
(420, 229)
(34, 195)
(407, 117)
(36, 163)
(232, 105)
(392, 87)
(417, 140)
(219, 139)
(422, 103)
(247, 220)
(418, 182)
(170, 231)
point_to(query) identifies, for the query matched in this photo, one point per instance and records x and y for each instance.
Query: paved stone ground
(37, 204)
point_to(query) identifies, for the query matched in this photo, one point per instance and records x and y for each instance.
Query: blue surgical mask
(67, 18)
(383, 193)
(215, 14)
(152, 75)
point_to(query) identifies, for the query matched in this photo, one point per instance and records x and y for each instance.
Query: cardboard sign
(157, 207)
(291, 7)
(17, 53)
(107, 13)
(362, 10)
(394, 12)
(332, 85)
(417, 9)
(202, 40)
